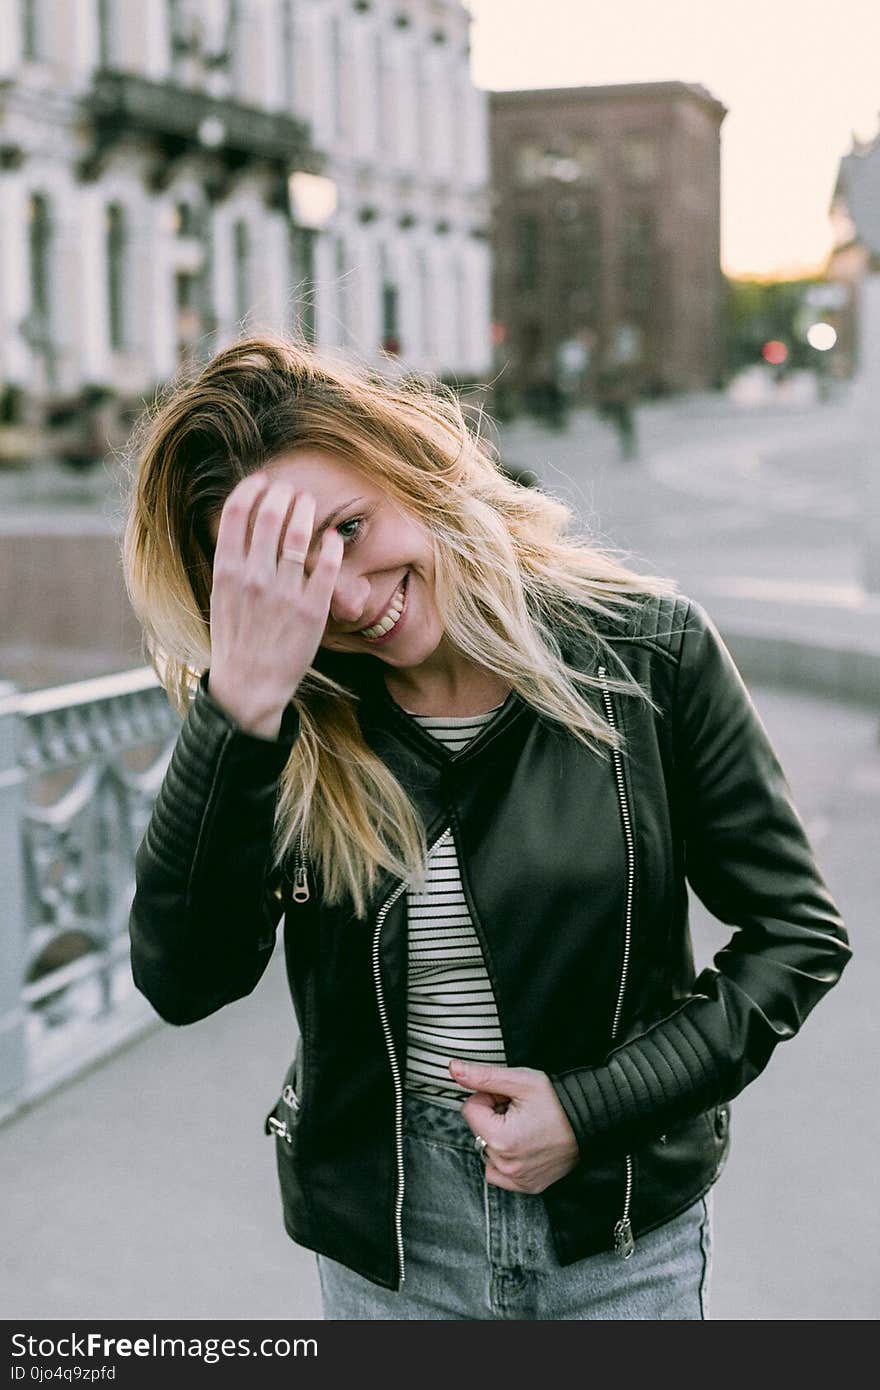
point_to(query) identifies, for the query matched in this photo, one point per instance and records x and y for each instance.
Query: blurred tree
(758, 310)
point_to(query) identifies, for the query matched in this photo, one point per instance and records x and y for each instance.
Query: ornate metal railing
(80, 767)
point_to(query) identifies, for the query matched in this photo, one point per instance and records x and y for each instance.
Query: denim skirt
(476, 1251)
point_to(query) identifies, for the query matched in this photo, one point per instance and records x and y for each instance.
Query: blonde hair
(511, 583)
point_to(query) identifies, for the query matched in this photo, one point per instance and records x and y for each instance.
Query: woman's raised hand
(267, 614)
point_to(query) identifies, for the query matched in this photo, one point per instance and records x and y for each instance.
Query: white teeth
(391, 617)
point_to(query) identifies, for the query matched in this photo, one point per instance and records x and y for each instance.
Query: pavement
(146, 1188)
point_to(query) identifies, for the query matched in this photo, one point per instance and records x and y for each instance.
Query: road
(764, 505)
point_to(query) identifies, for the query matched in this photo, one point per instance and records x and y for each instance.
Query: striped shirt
(450, 1004)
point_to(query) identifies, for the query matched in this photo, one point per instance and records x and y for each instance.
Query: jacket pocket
(283, 1122)
(283, 1118)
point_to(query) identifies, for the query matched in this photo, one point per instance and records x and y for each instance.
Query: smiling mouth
(393, 613)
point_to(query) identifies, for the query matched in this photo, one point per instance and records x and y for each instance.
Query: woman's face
(385, 547)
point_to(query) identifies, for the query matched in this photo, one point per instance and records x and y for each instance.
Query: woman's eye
(357, 522)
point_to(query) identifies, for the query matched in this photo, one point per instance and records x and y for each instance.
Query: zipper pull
(624, 1244)
(301, 885)
(279, 1129)
(300, 873)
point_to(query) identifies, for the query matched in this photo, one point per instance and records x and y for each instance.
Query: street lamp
(312, 200)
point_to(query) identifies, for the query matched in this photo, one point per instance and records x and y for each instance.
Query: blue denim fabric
(477, 1251)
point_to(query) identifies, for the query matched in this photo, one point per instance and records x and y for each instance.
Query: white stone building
(855, 264)
(146, 204)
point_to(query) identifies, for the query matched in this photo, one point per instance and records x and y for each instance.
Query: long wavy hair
(514, 581)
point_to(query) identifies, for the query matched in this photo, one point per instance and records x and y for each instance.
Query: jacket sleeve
(205, 911)
(749, 861)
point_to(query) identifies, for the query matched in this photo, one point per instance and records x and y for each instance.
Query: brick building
(607, 223)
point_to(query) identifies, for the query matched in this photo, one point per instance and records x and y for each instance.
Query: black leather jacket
(575, 871)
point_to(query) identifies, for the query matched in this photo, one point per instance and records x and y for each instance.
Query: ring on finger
(481, 1145)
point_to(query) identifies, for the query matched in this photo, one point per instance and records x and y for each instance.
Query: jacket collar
(381, 717)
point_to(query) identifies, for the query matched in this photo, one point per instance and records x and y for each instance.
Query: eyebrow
(332, 516)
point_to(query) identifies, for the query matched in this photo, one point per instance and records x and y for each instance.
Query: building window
(37, 329)
(535, 164)
(639, 158)
(578, 262)
(233, 48)
(185, 220)
(242, 256)
(195, 312)
(588, 157)
(117, 278)
(105, 33)
(528, 164)
(638, 260)
(390, 306)
(31, 37)
(39, 253)
(526, 239)
(638, 232)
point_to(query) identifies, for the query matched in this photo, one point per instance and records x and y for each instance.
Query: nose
(350, 596)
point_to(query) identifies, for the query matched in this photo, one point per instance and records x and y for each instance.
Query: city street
(147, 1188)
(761, 502)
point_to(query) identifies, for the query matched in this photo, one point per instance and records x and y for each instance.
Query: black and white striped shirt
(450, 1004)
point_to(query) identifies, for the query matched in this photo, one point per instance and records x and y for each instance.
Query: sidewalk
(147, 1188)
(782, 582)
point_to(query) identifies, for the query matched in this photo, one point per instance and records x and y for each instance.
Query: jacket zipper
(300, 873)
(395, 1068)
(624, 1244)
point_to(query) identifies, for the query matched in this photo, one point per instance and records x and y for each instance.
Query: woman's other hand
(269, 608)
(530, 1144)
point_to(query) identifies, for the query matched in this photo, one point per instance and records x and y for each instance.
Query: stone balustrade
(80, 767)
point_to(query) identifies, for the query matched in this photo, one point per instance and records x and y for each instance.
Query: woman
(472, 759)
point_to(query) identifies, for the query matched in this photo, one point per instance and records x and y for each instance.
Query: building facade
(606, 229)
(854, 264)
(159, 167)
(854, 270)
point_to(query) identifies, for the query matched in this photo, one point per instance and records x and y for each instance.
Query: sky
(799, 78)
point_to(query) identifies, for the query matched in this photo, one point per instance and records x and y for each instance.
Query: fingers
(271, 525)
(479, 1108)
(481, 1117)
(232, 530)
(263, 520)
(296, 533)
(325, 570)
(504, 1081)
(498, 1179)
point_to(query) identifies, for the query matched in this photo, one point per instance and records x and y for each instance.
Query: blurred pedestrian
(544, 397)
(617, 386)
(573, 366)
(615, 402)
(473, 760)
